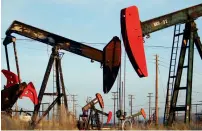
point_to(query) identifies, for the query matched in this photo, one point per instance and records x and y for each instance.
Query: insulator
(148, 36)
(91, 61)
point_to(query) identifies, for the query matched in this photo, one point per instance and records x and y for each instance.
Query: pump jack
(133, 31)
(131, 117)
(14, 90)
(92, 120)
(109, 58)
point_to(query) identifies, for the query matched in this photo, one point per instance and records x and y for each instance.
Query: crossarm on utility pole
(55, 40)
(181, 16)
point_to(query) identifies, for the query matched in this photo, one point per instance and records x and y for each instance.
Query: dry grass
(176, 126)
(66, 122)
(55, 125)
(69, 123)
(8, 123)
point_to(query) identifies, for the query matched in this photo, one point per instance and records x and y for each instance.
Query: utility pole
(117, 93)
(73, 102)
(114, 98)
(156, 94)
(154, 113)
(150, 104)
(131, 104)
(122, 96)
(76, 110)
(124, 91)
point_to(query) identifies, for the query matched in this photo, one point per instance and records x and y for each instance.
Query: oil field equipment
(97, 99)
(129, 119)
(110, 59)
(133, 33)
(14, 90)
(92, 120)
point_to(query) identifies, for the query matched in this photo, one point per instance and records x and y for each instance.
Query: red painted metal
(30, 92)
(109, 117)
(12, 79)
(100, 100)
(143, 113)
(133, 40)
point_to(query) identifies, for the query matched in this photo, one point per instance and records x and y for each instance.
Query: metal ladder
(56, 109)
(172, 70)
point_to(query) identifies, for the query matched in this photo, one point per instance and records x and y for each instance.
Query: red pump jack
(92, 121)
(133, 32)
(14, 90)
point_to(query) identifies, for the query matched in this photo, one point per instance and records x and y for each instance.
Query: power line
(103, 43)
(163, 62)
(164, 66)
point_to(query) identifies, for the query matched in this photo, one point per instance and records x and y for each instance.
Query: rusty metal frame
(7, 40)
(190, 35)
(110, 57)
(62, 83)
(53, 57)
(48, 109)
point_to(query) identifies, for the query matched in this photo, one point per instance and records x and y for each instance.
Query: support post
(173, 101)
(189, 75)
(58, 85)
(198, 43)
(89, 119)
(74, 100)
(62, 84)
(131, 104)
(43, 86)
(7, 58)
(48, 109)
(7, 40)
(124, 91)
(149, 104)
(16, 60)
(156, 94)
(18, 70)
(114, 98)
